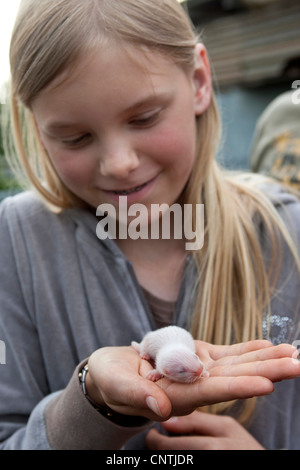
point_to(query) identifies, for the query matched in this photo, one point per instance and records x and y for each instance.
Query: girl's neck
(158, 264)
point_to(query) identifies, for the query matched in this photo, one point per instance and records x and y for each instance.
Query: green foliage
(1, 140)
(7, 180)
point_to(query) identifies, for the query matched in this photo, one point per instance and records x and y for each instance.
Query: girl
(113, 99)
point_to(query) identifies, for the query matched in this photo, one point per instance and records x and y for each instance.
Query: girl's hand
(241, 370)
(117, 377)
(202, 431)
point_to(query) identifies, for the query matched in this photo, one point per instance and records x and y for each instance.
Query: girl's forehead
(140, 58)
(110, 79)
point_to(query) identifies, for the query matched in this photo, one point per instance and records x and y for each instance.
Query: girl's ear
(202, 80)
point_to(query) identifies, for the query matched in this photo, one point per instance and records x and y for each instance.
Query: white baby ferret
(173, 351)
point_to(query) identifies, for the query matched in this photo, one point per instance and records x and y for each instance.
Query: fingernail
(153, 406)
(172, 420)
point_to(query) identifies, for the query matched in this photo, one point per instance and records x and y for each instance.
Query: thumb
(199, 423)
(140, 397)
(116, 378)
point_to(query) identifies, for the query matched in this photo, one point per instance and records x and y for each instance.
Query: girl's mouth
(134, 193)
(126, 192)
(136, 189)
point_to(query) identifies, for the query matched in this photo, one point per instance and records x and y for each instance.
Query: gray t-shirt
(63, 294)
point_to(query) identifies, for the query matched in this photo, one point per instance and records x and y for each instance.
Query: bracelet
(106, 411)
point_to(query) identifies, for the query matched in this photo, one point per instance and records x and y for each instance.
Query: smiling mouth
(136, 189)
(125, 192)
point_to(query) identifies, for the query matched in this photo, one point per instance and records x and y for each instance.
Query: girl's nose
(119, 162)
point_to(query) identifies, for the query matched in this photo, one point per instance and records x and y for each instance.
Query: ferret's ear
(201, 80)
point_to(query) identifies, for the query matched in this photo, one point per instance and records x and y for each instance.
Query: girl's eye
(145, 120)
(81, 140)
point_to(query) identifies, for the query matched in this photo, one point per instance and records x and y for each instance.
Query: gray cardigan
(63, 294)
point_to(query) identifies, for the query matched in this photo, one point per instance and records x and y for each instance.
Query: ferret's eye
(181, 370)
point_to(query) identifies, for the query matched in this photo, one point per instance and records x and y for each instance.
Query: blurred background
(8, 11)
(254, 48)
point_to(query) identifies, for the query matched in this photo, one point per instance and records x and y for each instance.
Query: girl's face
(118, 126)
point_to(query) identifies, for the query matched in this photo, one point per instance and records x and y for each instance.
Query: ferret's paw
(146, 356)
(136, 346)
(204, 373)
(154, 375)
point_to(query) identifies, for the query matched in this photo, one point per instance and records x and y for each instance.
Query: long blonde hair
(48, 37)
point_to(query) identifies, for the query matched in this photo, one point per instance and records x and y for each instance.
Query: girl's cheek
(175, 143)
(71, 168)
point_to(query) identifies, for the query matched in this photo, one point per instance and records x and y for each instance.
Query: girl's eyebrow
(53, 126)
(156, 98)
(57, 126)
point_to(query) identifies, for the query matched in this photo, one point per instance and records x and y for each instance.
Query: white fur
(173, 351)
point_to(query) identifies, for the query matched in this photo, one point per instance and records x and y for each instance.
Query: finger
(123, 388)
(274, 352)
(218, 351)
(273, 369)
(231, 388)
(157, 441)
(197, 423)
(186, 399)
(140, 397)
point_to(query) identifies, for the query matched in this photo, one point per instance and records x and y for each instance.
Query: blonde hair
(48, 37)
